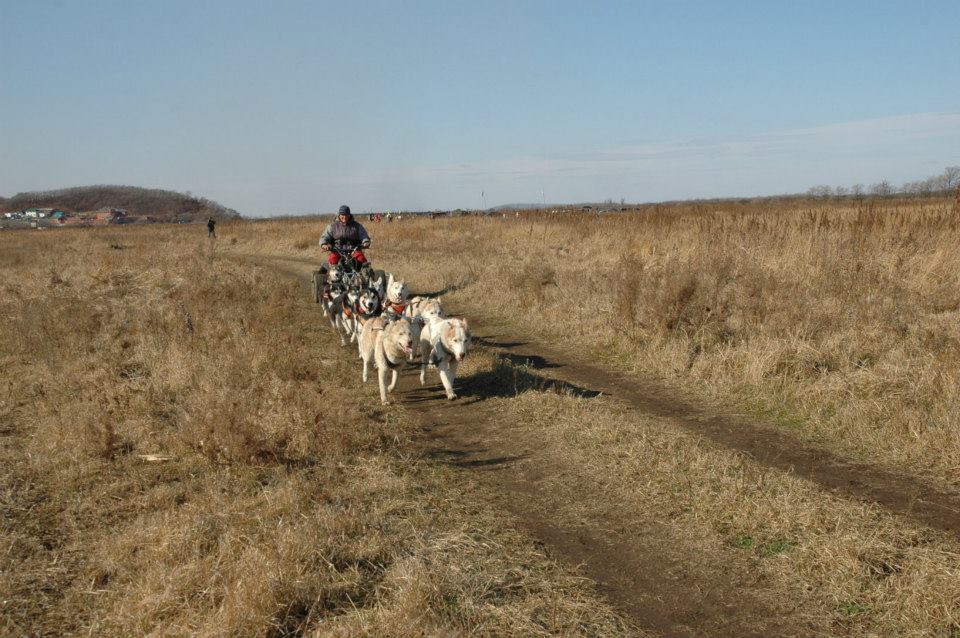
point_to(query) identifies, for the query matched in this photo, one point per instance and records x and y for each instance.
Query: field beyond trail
(193, 427)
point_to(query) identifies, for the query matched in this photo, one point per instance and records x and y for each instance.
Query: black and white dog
(332, 287)
(367, 307)
(377, 279)
(342, 314)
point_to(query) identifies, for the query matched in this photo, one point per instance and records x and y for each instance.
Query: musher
(345, 233)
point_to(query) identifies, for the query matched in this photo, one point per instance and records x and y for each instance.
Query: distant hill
(160, 204)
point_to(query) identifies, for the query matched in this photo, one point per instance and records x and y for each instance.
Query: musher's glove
(365, 243)
(324, 246)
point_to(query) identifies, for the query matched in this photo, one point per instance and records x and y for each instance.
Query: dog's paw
(452, 396)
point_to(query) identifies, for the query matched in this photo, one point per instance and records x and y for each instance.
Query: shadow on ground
(510, 376)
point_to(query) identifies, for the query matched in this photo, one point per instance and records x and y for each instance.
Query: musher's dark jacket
(348, 235)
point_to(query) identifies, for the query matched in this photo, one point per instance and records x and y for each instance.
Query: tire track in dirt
(905, 495)
(657, 580)
(662, 581)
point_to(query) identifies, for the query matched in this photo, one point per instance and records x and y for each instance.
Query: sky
(292, 107)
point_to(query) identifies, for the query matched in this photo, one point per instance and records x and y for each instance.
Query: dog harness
(394, 307)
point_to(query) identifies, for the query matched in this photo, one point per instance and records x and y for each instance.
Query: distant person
(345, 233)
(211, 225)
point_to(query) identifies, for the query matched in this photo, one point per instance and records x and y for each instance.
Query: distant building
(109, 215)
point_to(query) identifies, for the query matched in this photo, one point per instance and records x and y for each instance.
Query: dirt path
(662, 581)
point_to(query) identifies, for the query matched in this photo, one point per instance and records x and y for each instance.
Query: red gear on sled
(334, 258)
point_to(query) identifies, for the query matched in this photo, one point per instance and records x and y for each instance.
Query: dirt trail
(659, 580)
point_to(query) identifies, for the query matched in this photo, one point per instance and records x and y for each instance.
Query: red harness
(395, 307)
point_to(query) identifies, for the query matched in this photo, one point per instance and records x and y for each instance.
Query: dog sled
(352, 273)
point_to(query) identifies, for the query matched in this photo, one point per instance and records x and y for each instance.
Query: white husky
(444, 343)
(397, 295)
(428, 309)
(387, 343)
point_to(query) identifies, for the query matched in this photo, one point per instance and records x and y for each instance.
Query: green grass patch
(853, 608)
(744, 542)
(776, 546)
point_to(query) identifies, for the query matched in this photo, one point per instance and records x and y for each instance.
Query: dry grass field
(837, 320)
(180, 456)
(290, 502)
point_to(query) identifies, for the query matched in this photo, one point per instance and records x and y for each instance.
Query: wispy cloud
(888, 133)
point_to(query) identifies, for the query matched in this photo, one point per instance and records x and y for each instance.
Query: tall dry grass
(838, 320)
(833, 566)
(181, 455)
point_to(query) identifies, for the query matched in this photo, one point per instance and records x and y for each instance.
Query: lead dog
(387, 343)
(444, 343)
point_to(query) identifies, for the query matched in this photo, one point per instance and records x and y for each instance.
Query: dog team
(374, 310)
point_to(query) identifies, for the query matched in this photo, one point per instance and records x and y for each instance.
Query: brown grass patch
(181, 454)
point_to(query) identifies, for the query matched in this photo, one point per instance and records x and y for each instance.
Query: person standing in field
(345, 233)
(211, 223)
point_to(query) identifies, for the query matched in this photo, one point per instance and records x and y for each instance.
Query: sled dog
(397, 294)
(386, 343)
(444, 343)
(426, 308)
(332, 287)
(342, 315)
(367, 307)
(378, 281)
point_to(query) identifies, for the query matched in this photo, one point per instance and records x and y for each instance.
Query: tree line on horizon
(941, 185)
(134, 199)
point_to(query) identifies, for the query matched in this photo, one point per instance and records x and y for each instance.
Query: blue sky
(292, 107)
